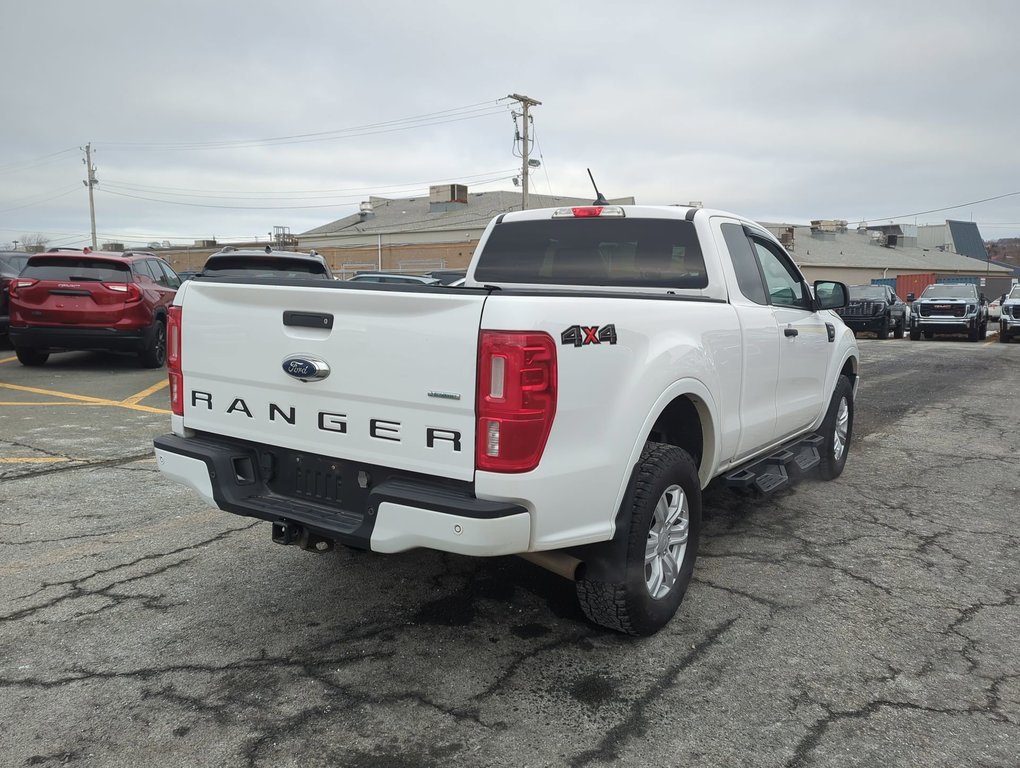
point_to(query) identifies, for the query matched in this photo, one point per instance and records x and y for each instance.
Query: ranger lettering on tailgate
(380, 429)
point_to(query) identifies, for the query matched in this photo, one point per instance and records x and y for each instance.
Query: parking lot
(871, 621)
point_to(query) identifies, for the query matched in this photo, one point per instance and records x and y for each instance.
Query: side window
(744, 264)
(781, 278)
(172, 280)
(141, 268)
(157, 273)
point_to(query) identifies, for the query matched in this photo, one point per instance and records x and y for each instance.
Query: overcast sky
(222, 119)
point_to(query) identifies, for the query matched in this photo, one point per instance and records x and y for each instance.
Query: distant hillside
(1005, 250)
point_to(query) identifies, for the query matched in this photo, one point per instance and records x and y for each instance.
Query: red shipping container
(914, 284)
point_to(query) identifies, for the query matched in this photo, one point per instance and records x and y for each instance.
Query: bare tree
(36, 242)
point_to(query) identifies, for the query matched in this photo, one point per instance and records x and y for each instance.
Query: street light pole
(526, 103)
(90, 184)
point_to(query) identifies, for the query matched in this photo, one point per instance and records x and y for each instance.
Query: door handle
(790, 331)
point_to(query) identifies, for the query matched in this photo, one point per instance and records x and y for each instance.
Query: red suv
(69, 299)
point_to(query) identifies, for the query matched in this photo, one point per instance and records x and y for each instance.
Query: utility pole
(90, 183)
(526, 103)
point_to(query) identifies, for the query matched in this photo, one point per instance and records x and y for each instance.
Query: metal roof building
(858, 257)
(417, 234)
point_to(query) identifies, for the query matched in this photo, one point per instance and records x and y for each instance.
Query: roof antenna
(599, 199)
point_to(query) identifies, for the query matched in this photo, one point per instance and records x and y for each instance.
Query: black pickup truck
(875, 308)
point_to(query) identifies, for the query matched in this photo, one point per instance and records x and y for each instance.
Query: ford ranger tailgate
(381, 377)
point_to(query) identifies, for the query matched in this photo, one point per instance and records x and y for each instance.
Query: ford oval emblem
(306, 368)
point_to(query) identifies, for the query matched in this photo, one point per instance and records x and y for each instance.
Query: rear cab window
(623, 253)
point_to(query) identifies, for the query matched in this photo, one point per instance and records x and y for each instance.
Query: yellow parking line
(84, 399)
(135, 399)
(58, 402)
(143, 408)
(8, 359)
(994, 340)
(34, 460)
(64, 395)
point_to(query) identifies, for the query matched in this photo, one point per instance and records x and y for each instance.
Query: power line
(64, 193)
(314, 194)
(333, 204)
(472, 112)
(939, 210)
(23, 165)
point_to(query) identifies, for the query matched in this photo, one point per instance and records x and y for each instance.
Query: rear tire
(915, 334)
(983, 332)
(837, 430)
(973, 333)
(1003, 337)
(31, 357)
(154, 355)
(664, 525)
(900, 327)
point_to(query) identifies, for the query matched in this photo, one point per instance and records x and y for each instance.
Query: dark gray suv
(11, 264)
(255, 262)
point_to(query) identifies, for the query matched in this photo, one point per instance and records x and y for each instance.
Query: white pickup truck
(599, 367)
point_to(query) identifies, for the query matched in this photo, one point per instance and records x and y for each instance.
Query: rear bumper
(359, 505)
(75, 338)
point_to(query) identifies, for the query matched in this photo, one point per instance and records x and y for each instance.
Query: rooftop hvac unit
(448, 193)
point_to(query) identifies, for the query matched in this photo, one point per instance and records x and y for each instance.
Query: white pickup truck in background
(600, 366)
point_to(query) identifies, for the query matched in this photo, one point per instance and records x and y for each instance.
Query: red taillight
(173, 360)
(590, 210)
(516, 399)
(134, 293)
(18, 283)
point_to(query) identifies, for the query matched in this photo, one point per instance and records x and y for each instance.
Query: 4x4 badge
(306, 368)
(582, 335)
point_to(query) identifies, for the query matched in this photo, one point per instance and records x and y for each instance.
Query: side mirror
(983, 298)
(830, 295)
(910, 297)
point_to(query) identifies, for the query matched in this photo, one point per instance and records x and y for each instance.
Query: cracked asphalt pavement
(870, 621)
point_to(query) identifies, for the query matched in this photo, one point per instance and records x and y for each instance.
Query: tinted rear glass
(629, 252)
(13, 263)
(77, 270)
(253, 266)
(949, 292)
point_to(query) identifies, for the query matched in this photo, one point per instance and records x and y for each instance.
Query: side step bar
(779, 470)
